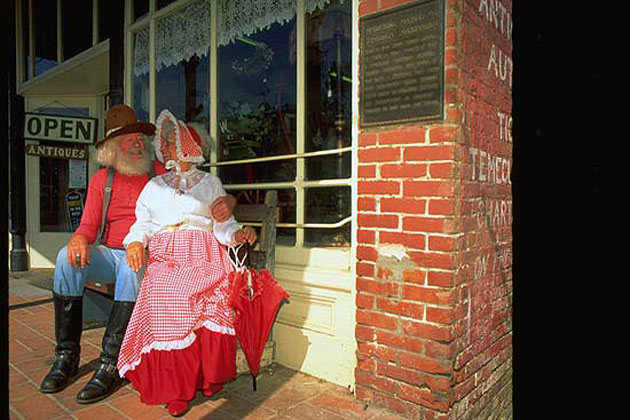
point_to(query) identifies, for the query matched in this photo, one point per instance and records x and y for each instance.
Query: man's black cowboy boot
(68, 327)
(106, 379)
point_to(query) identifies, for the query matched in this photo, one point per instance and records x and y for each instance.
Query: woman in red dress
(180, 338)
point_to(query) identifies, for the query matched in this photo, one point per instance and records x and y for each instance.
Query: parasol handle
(254, 382)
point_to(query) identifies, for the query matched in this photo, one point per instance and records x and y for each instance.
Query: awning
(86, 73)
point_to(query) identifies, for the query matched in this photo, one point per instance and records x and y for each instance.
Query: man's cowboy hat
(121, 119)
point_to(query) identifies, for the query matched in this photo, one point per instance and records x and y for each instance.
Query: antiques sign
(59, 128)
(401, 64)
(58, 152)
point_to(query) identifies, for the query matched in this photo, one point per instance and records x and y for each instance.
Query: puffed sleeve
(143, 228)
(224, 232)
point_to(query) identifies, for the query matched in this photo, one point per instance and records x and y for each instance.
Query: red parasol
(256, 298)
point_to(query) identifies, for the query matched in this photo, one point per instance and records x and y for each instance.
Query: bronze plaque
(402, 64)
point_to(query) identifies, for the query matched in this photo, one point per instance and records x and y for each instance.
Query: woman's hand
(222, 208)
(135, 255)
(246, 234)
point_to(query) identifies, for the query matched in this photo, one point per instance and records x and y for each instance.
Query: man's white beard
(125, 165)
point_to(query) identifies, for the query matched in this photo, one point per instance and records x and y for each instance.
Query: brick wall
(434, 281)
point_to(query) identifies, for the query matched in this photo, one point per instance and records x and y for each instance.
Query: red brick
(367, 139)
(428, 331)
(376, 382)
(363, 332)
(443, 260)
(414, 276)
(409, 240)
(429, 153)
(378, 187)
(444, 170)
(366, 171)
(412, 135)
(376, 319)
(365, 301)
(377, 220)
(423, 224)
(410, 376)
(397, 340)
(368, 6)
(441, 278)
(444, 207)
(366, 236)
(395, 306)
(403, 171)
(440, 315)
(366, 204)
(366, 253)
(439, 350)
(434, 295)
(403, 205)
(379, 154)
(428, 188)
(444, 133)
(423, 397)
(438, 384)
(365, 269)
(442, 243)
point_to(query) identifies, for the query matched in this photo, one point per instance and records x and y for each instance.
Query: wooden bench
(98, 298)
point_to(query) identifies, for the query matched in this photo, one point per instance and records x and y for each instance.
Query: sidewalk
(283, 394)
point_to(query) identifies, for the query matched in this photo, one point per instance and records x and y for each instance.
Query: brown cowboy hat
(121, 119)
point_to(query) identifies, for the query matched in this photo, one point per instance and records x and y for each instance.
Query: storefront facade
(394, 193)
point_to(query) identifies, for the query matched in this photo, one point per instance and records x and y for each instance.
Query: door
(56, 185)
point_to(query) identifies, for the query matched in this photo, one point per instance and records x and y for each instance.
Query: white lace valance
(179, 36)
(186, 32)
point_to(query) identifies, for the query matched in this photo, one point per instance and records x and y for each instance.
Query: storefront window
(141, 74)
(182, 75)
(76, 27)
(58, 178)
(45, 34)
(329, 89)
(140, 8)
(257, 101)
(164, 3)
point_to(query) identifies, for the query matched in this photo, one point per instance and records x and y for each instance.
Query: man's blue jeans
(107, 265)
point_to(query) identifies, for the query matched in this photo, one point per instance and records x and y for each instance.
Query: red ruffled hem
(166, 375)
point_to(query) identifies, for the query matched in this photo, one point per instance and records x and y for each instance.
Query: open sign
(60, 128)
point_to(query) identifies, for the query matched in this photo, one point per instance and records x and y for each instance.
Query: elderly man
(98, 255)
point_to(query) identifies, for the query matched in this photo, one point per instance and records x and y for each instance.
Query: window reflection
(328, 205)
(45, 34)
(141, 74)
(76, 16)
(257, 101)
(329, 88)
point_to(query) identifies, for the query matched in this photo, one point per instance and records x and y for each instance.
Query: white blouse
(160, 207)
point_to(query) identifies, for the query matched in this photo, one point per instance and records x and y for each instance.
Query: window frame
(300, 183)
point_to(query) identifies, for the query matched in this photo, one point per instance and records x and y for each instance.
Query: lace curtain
(186, 32)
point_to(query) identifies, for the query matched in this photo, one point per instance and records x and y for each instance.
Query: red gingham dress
(182, 299)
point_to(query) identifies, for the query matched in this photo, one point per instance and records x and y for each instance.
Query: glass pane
(55, 182)
(257, 101)
(249, 173)
(286, 210)
(45, 28)
(182, 51)
(329, 88)
(141, 74)
(25, 32)
(163, 3)
(140, 8)
(76, 25)
(327, 205)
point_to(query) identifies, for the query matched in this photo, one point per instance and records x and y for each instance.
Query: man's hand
(246, 234)
(135, 255)
(78, 251)
(222, 208)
